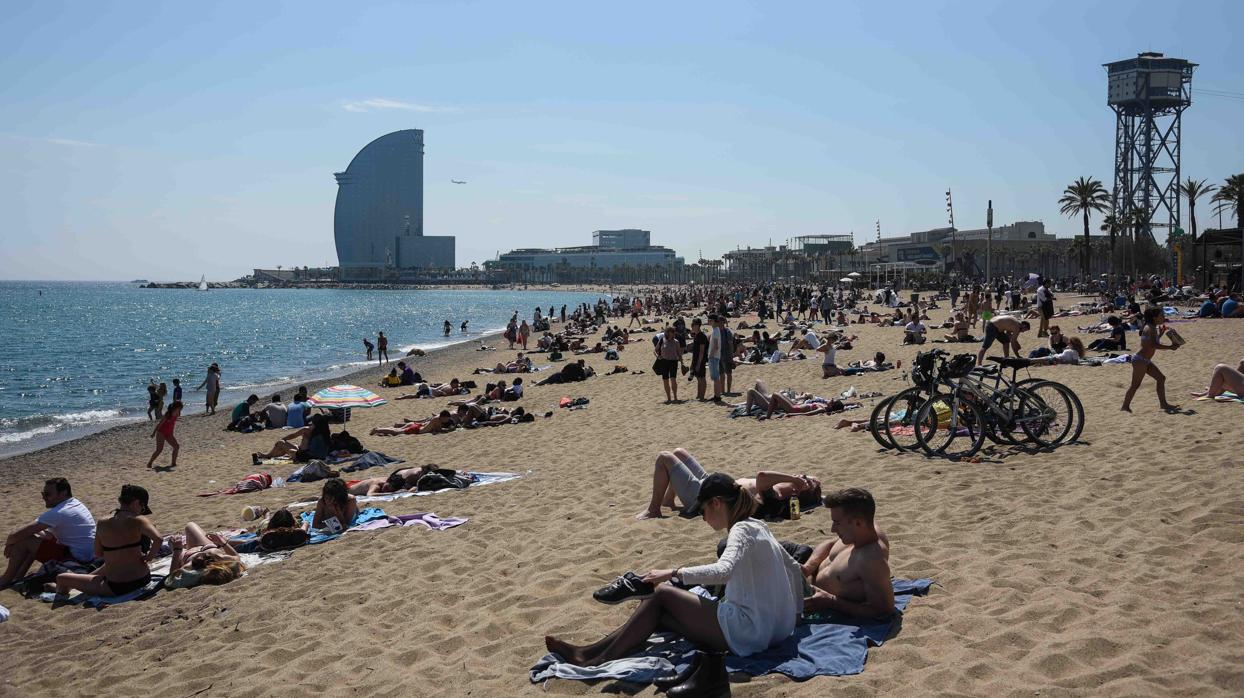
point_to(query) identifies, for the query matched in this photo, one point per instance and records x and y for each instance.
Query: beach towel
(431, 522)
(1225, 397)
(4, 614)
(481, 479)
(820, 646)
(251, 483)
(360, 523)
(100, 602)
(315, 470)
(371, 459)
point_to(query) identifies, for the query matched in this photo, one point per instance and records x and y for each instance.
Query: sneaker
(628, 586)
(255, 459)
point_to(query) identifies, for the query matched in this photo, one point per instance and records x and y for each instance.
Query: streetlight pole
(989, 244)
(950, 208)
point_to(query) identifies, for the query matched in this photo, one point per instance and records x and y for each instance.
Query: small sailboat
(203, 283)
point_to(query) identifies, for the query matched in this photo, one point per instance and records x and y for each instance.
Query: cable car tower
(1148, 94)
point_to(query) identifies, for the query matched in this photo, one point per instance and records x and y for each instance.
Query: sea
(76, 357)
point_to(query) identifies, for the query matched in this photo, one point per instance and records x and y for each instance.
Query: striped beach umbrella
(342, 396)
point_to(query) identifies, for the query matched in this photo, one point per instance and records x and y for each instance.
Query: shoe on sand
(628, 586)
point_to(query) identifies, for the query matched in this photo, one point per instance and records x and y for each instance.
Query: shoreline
(43, 444)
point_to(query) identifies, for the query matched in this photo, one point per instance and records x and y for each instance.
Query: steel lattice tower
(1148, 94)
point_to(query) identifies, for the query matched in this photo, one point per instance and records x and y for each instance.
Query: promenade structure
(378, 219)
(611, 249)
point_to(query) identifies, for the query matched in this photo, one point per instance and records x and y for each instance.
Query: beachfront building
(615, 255)
(1018, 248)
(378, 221)
(806, 257)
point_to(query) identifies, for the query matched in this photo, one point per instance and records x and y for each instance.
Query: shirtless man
(432, 425)
(851, 575)
(1006, 330)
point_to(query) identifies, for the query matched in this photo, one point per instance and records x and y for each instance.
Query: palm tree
(1193, 190)
(1231, 196)
(1111, 226)
(1084, 196)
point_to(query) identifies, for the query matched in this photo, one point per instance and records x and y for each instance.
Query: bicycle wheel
(900, 417)
(876, 425)
(1059, 419)
(1075, 401)
(944, 420)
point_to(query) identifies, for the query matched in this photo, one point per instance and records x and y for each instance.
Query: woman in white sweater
(763, 598)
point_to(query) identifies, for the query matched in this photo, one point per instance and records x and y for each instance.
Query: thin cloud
(378, 104)
(64, 142)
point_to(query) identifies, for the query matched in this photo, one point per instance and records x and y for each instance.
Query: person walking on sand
(212, 382)
(524, 333)
(1142, 361)
(369, 347)
(164, 432)
(382, 348)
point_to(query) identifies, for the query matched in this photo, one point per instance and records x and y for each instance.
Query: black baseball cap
(131, 492)
(716, 485)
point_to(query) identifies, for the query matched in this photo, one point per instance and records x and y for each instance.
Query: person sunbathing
(335, 504)
(432, 425)
(374, 486)
(127, 541)
(851, 574)
(958, 330)
(759, 396)
(313, 443)
(1071, 355)
(763, 597)
(678, 473)
(1223, 379)
(202, 558)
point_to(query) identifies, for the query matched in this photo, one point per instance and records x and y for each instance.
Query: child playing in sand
(164, 432)
(1142, 361)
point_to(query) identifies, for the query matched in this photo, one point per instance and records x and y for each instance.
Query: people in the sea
(369, 347)
(382, 348)
(762, 600)
(1223, 379)
(126, 541)
(163, 432)
(851, 574)
(65, 531)
(202, 558)
(1142, 361)
(212, 383)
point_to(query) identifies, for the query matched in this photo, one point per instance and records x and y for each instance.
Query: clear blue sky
(168, 140)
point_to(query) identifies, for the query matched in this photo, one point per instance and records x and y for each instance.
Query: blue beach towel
(820, 646)
(322, 535)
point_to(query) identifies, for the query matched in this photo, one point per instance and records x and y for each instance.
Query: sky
(170, 140)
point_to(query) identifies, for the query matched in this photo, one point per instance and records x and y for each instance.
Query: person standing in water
(164, 432)
(212, 382)
(369, 347)
(448, 328)
(1142, 361)
(382, 348)
(463, 327)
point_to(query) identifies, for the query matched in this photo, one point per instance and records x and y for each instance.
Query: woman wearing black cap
(763, 596)
(126, 541)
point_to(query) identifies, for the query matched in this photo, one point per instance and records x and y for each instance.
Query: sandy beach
(1102, 568)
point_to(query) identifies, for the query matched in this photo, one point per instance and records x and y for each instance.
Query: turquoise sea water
(76, 357)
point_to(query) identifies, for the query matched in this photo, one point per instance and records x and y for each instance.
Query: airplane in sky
(454, 181)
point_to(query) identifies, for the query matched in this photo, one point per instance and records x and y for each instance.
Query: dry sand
(1104, 568)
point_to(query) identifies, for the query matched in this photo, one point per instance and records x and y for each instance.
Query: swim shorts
(991, 333)
(714, 368)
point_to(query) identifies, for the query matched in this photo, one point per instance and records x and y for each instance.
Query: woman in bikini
(1142, 361)
(202, 558)
(120, 541)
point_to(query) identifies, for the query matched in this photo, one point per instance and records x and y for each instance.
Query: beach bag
(555, 356)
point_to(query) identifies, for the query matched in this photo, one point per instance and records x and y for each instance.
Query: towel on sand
(251, 483)
(363, 521)
(1225, 397)
(481, 479)
(830, 646)
(99, 602)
